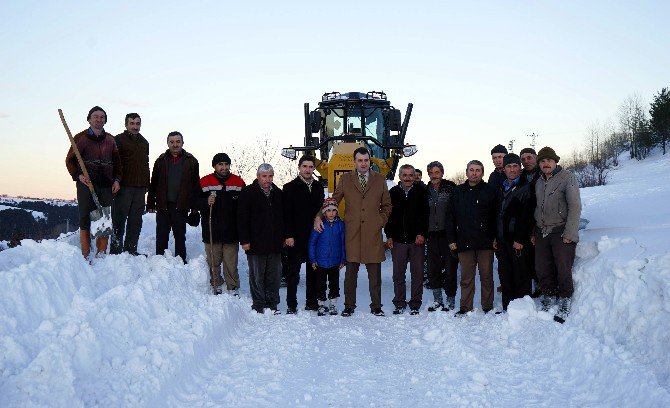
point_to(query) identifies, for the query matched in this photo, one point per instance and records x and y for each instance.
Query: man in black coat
(303, 197)
(497, 176)
(261, 228)
(405, 235)
(514, 231)
(471, 230)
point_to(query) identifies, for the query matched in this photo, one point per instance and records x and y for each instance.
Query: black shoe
(347, 312)
(461, 313)
(291, 310)
(399, 310)
(559, 319)
(276, 311)
(414, 312)
(377, 312)
(435, 306)
(310, 308)
(217, 290)
(486, 311)
(258, 310)
(322, 311)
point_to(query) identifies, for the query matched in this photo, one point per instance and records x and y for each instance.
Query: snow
(145, 331)
(54, 202)
(37, 215)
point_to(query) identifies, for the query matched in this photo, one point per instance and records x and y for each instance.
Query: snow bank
(623, 296)
(111, 333)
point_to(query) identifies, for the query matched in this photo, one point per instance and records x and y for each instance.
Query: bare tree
(247, 156)
(459, 177)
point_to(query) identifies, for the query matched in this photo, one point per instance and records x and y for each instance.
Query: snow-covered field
(36, 214)
(130, 331)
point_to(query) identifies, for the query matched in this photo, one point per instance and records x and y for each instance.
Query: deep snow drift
(136, 331)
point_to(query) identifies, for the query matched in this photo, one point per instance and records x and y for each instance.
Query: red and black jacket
(224, 210)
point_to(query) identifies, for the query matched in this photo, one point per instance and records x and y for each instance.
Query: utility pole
(533, 137)
(510, 146)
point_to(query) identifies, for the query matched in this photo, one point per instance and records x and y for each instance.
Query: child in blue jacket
(326, 254)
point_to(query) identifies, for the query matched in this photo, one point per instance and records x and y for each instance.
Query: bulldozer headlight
(289, 153)
(409, 150)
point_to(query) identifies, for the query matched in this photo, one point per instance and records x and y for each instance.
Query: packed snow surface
(145, 331)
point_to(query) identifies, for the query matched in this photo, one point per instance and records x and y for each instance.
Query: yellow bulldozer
(347, 121)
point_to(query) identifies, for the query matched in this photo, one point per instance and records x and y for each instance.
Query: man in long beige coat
(368, 206)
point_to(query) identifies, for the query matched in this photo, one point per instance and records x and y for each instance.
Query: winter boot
(547, 302)
(450, 305)
(85, 242)
(435, 306)
(322, 310)
(217, 290)
(563, 309)
(101, 246)
(399, 310)
(333, 307)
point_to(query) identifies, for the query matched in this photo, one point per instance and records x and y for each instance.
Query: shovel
(101, 219)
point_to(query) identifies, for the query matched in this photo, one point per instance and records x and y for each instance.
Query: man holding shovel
(218, 208)
(102, 163)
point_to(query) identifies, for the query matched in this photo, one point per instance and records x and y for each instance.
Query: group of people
(526, 215)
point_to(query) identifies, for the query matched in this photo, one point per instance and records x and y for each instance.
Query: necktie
(361, 177)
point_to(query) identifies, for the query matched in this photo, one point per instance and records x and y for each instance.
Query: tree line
(637, 129)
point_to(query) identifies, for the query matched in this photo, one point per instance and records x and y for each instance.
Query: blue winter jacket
(327, 248)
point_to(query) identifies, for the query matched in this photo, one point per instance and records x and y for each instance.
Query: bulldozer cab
(343, 122)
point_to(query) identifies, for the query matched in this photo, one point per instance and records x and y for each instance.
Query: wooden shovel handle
(76, 150)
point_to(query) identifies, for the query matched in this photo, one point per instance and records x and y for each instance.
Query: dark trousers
(513, 272)
(374, 282)
(86, 204)
(292, 275)
(127, 210)
(442, 265)
(264, 280)
(332, 277)
(175, 220)
(553, 264)
(472, 260)
(403, 254)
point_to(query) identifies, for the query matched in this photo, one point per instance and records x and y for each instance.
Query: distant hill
(34, 218)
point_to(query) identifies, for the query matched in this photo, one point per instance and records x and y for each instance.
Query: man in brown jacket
(174, 187)
(128, 205)
(368, 206)
(102, 161)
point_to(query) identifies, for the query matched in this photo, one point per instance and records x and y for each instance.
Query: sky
(224, 74)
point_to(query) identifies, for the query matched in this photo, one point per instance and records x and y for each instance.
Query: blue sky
(479, 73)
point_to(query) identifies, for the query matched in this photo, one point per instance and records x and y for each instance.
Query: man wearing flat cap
(556, 233)
(218, 209)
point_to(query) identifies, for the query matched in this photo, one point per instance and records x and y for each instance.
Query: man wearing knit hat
(497, 176)
(218, 208)
(556, 234)
(513, 231)
(531, 171)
